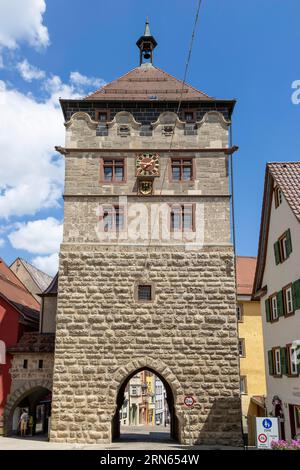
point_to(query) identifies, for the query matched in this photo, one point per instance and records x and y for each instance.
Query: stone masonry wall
(188, 335)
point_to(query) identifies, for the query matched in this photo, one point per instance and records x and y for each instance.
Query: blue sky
(246, 50)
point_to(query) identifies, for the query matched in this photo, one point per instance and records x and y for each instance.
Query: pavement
(132, 438)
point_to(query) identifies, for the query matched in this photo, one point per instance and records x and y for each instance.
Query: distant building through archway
(145, 398)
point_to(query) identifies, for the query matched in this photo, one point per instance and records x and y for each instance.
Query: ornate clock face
(145, 187)
(147, 164)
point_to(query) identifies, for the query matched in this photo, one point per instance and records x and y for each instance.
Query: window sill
(287, 315)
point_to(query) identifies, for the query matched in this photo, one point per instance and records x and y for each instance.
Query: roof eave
(263, 234)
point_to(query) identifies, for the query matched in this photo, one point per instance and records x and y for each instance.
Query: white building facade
(277, 284)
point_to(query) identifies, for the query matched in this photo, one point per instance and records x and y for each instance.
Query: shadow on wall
(222, 426)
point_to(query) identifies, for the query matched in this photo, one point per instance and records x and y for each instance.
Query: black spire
(146, 45)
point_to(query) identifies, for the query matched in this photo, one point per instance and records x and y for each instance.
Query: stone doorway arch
(170, 383)
(29, 396)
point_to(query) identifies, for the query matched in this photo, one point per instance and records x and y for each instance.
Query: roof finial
(147, 28)
(146, 44)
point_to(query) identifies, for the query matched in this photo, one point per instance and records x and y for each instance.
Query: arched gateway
(34, 396)
(146, 264)
(170, 383)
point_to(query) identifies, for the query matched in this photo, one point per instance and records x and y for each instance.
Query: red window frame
(180, 162)
(115, 162)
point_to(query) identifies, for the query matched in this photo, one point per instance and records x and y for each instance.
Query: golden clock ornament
(147, 164)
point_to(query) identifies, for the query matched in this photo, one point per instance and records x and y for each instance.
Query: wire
(178, 109)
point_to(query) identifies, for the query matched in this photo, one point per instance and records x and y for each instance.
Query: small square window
(41, 363)
(25, 364)
(145, 293)
(102, 116)
(189, 116)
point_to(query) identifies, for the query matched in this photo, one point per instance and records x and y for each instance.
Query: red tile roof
(148, 83)
(245, 272)
(34, 342)
(287, 176)
(12, 289)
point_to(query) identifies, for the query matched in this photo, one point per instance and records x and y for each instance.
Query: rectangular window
(274, 309)
(277, 196)
(189, 116)
(145, 293)
(25, 364)
(288, 300)
(277, 361)
(283, 247)
(182, 169)
(239, 312)
(102, 115)
(182, 218)
(41, 363)
(243, 385)
(242, 349)
(113, 170)
(292, 359)
(113, 219)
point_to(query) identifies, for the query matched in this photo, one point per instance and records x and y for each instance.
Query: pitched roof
(287, 176)
(34, 342)
(12, 289)
(245, 271)
(41, 279)
(52, 288)
(148, 83)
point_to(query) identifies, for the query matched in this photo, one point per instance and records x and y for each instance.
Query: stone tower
(146, 276)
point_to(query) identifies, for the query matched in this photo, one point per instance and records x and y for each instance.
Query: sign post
(267, 430)
(189, 402)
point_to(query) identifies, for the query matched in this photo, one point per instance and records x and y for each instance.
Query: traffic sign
(262, 438)
(189, 401)
(267, 430)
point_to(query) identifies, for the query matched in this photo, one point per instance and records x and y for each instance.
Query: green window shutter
(277, 252)
(280, 304)
(288, 243)
(268, 312)
(270, 362)
(283, 361)
(296, 294)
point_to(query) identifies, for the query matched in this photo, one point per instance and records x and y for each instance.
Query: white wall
(286, 330)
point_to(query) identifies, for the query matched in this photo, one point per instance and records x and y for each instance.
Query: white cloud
(30, 178)
(48, 264)
(22, 21)
(57, 89)
(2, 242)
(82, 80)
(29, 72)
(39, 236)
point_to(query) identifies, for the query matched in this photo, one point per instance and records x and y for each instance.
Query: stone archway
(171, 384)
(38, 387)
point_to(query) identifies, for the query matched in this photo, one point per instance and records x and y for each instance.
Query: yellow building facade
(252, 365)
